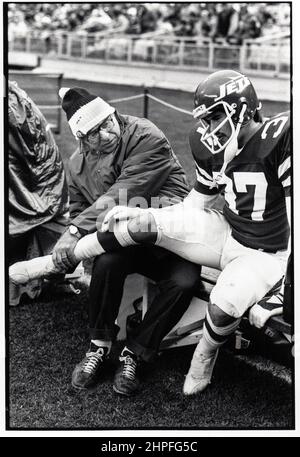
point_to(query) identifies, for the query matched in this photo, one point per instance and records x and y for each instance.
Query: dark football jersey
(255, 183)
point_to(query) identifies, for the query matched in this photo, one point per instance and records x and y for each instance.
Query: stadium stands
(209, 36)
(231, 21)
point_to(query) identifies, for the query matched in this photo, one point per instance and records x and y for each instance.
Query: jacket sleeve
(78, 202)
(144, 171)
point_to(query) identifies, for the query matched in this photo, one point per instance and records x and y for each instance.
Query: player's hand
(119, 213)
(63, 254)
(266, 308)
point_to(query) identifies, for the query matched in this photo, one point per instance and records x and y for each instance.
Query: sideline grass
(47, 337)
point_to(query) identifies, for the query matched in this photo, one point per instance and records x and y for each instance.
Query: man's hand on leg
(63, 254)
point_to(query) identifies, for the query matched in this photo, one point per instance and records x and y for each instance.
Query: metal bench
(189, 329)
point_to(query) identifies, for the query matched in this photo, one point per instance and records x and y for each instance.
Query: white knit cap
(84, 111)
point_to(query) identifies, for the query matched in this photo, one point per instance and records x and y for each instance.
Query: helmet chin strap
(231, 149)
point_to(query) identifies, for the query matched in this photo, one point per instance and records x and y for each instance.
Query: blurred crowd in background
(231, 22)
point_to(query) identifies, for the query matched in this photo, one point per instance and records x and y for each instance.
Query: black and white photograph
(149, 217)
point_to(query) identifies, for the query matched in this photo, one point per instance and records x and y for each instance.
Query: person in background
(227, 19)
(38, 192)
(120, 21)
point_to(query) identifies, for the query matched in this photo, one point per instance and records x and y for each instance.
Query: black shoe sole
(79, 387)
(93, 387)
(124, 394)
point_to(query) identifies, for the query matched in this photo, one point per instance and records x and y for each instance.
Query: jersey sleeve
(284, 163)
(205, 183)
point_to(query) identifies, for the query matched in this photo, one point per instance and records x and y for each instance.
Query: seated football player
(248, 160)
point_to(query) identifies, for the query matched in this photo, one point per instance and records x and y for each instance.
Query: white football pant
(203, 236)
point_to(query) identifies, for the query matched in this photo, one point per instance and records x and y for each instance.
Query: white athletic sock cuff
(122, 234)
(208, 340)
(153, 211)
(88, 247)
(102, 343)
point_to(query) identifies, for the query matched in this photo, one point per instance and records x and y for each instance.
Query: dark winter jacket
(38, 191)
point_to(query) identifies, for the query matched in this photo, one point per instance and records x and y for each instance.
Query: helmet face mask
(210, 138)
(226, 95)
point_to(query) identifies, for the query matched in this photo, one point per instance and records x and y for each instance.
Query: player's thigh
(196, 235)
(244, 281)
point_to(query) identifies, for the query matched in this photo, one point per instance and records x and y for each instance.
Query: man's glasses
(106, 126)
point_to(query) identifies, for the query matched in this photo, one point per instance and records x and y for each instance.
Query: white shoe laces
(93, 359)
(129, 367)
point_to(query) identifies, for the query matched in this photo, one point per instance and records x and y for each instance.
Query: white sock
(103, 343)
(213, 340)
(22, 272)
(128, 350)
(26, 270)
(88, 247)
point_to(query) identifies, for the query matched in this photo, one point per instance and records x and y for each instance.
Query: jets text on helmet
(237, 85)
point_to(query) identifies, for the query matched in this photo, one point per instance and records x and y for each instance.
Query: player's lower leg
(218, 326)
(136, 231)
(27, 270)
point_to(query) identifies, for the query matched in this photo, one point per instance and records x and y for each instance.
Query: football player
(244, 158)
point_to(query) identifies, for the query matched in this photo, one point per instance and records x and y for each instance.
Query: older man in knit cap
(121, 157)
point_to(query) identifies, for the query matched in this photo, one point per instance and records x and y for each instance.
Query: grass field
(48, 336)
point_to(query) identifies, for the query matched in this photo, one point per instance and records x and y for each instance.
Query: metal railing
(270, 55)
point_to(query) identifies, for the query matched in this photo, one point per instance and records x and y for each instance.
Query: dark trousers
(176, 278)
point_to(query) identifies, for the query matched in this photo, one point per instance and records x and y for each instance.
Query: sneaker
(126, 381)
(86, 373)
(200, 373)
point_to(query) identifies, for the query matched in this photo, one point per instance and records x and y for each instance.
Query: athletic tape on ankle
(122, 234)
(27, 270)
(88, 247)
